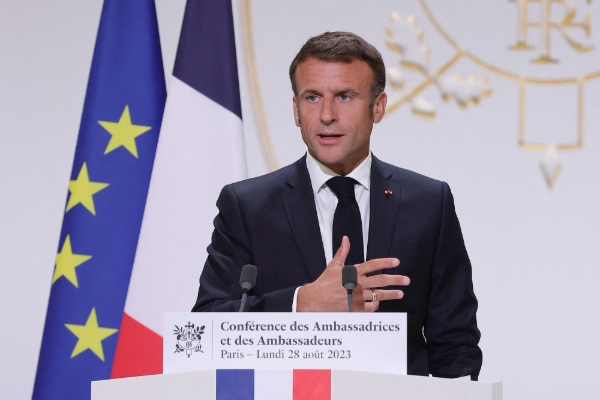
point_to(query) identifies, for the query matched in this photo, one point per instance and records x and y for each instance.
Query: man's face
(333, 113)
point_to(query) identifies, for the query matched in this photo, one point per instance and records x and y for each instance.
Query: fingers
(382, 280)
(376, 265)
(358, 301)
(382, 295)
(371, 306)
(362, 299)
(340, 256)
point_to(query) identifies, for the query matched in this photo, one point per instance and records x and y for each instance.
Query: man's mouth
(329, 139)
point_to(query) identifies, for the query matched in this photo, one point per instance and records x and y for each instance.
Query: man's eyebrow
(350, 91)
(310, 91)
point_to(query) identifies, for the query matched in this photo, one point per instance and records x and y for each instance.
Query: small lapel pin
(388, 192)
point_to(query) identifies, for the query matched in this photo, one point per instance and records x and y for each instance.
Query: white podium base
(345, 385)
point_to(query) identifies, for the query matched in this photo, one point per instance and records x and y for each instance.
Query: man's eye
(311, 97)
(344, 97)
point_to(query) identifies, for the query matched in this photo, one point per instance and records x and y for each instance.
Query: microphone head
(248, 276)
(349, 277)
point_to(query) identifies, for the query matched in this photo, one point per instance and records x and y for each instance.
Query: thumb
(340, 256)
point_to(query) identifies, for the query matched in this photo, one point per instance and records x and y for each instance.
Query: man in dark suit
(339, 204)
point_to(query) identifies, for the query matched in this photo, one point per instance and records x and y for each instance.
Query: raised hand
(327, 294)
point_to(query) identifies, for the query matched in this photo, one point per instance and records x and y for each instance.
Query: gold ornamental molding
(260, 117)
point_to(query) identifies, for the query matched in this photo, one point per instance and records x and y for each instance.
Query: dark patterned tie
(346, 220)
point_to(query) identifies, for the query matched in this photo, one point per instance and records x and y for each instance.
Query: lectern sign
(351, 341)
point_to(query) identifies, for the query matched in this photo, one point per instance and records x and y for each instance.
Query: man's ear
(296, 115)
(379, 107)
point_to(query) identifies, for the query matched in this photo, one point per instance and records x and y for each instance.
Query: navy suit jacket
(271, 222)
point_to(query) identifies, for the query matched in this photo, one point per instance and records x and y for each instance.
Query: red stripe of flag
(139, 350)
(312, 384)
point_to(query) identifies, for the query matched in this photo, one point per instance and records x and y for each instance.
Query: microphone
(247, 281)
(349, 282)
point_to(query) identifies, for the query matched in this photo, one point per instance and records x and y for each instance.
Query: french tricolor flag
(260, 384)
(201, 148)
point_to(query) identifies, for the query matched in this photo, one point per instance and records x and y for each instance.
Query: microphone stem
(244, 295)
(350, 302)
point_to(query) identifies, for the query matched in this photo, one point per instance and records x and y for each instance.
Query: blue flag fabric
(206, 58)
(109, 182)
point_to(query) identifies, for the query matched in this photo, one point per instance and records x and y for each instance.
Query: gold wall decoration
(260, 117)
(406, 38)
(414, 55)
(546, 23)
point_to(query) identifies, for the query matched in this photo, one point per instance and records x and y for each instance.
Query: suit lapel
(301, 212)
(384, 211)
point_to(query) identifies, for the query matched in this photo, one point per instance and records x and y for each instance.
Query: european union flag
(107, 192)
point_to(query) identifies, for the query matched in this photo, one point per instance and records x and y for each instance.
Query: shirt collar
(320, 174)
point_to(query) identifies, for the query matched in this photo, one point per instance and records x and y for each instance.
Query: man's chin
(335, 164)
(328, 159)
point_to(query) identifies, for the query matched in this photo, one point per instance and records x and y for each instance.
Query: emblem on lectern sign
(546, 47)
(188, 338)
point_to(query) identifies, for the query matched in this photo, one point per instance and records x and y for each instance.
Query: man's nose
(328, 112)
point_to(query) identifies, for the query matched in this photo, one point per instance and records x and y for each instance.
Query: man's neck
(319, 173)
(337, 169)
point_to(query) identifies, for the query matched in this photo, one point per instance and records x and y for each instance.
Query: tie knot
(342, 186)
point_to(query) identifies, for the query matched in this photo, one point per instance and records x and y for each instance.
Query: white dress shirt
(326, 202)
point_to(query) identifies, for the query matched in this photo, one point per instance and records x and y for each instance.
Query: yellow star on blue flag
(123, 133)
(82, 190)
(90, 336)
(67, 261)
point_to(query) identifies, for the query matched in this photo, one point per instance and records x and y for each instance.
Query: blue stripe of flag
(206, 57)
(235, 384)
